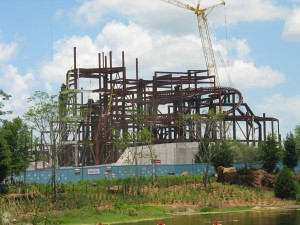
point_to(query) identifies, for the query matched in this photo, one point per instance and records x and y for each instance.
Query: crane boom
(204, 34)
(180, 4)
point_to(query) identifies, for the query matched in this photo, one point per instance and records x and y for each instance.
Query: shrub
(132, 212)
(285, 186)
(3, 188)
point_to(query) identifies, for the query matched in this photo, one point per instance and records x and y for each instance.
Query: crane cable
(227, 48)
(225, 64)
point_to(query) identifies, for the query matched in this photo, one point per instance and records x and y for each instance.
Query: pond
(256, 217)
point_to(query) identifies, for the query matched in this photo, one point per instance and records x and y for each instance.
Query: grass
(91, 202)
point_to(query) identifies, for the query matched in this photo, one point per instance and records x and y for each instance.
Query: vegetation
(270, 153)
(107, 201)
(285, 185)
(15, 143)
(291, 153)
(297, 137)
(245, 153)
(209, 145)
(224, 156)
(3, 97)
(5, 157)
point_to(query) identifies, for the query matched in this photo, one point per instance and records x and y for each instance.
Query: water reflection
(256, 217)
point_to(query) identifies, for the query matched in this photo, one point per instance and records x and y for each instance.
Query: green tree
(244, 153)
(297, 137)
(207, 150)
(290, 154)
(5, 157)
(285, 186)
(224, 156)
(18, 138)
(270, 153)
(3, 97)
(51, 116)
(209, 145)
(43, 114)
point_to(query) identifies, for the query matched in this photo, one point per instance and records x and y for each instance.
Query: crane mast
(204, 34)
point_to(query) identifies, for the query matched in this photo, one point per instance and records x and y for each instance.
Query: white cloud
(12, 82)
(19, 88)
(91, 12)
(132, 39)
(255, 10)
(240, 69)
(246, 75)
(7, 51)
(284, 108)
(157, 14)
(54, 72)
(156, 52)
(292, 26)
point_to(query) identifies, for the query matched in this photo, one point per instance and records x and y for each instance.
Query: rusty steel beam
(165, 99)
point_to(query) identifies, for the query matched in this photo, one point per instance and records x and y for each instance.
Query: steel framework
(165, 100)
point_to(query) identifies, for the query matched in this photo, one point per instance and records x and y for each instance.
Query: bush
(3, 189)
(132, 212)
(285, 186)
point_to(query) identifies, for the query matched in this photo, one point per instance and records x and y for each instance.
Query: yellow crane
(204, 33)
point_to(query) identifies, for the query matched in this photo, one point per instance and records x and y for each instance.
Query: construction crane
(204, 33)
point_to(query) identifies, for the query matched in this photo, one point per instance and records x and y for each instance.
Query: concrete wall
(170, 153)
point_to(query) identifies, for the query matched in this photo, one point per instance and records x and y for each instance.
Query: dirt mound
(258, 179)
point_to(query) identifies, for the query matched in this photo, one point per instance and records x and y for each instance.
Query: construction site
(174, 107)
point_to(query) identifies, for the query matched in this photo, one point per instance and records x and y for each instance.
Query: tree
(18, 138)
(209, 145)
(5, 157)
(51, 117)
(285, 186)
(297, 137)
(246, 154)
(224, 156)
(3, 97)
(270, 153)
(290, 154)
(207, 150)
(43, 114)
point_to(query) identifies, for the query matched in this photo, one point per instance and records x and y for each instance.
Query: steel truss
(165, 100)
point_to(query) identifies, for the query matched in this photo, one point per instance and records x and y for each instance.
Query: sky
(256, 44)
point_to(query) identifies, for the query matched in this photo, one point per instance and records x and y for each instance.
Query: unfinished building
(165, 106)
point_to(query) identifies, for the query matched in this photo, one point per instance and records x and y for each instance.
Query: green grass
(89, 202)
(91, 216)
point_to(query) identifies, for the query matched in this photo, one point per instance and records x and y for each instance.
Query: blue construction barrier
(75, 174)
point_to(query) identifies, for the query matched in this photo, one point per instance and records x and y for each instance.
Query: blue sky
(263, 41)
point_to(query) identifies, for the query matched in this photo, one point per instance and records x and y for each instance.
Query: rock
(258, 179)
(229, 174)
(220, 176)
(186, 173)
(114, 189)
(261, 179)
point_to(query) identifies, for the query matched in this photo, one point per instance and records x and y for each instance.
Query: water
(256, 217)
